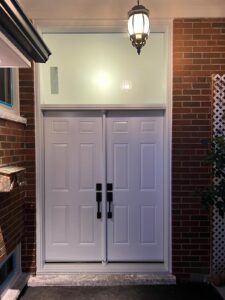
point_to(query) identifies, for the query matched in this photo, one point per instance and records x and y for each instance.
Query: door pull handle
(109, 199)
(99, 199)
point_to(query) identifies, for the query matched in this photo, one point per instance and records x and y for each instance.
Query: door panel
(121, 166)
(74, 164)
(73, 147)
(135, 167)
(121, 221)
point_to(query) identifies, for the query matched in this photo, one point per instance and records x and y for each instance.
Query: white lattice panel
(218, 259)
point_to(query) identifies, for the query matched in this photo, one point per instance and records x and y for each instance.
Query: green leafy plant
(215, 194)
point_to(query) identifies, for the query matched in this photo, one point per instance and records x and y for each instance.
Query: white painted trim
(47, 268)
(93, 26)
(102, 107)
(64, 268)
(39, 151)
(122, 267)
(13, 113)
(12, 54)
(168, 148)
(169, 131)
(104, 174)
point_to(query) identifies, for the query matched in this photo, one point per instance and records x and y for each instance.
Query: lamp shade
(138, 26)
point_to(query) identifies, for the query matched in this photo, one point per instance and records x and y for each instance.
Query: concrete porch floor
(138, 292)
(111, 287)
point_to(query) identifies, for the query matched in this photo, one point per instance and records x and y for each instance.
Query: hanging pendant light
(138, 26)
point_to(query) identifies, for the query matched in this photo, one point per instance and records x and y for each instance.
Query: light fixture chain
(138, 2)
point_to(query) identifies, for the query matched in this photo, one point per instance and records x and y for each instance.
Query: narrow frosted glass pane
(105, 69)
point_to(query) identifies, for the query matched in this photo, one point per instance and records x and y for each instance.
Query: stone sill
(13, 292)
(12, 117)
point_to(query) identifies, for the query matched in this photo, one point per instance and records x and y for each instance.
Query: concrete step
(86, 279)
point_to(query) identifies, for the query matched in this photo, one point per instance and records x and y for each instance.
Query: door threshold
(98, 268)
(87, 279)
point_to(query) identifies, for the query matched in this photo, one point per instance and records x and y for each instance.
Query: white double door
(115, 158)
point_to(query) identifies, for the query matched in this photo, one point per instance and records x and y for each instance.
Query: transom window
(103, 69)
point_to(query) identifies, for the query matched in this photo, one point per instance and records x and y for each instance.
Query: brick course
(199, 52)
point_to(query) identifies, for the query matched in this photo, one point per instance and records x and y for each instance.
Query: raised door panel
(121, 225)
(60, 225)
(121, 166)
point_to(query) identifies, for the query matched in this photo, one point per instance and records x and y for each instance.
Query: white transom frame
(105, 26)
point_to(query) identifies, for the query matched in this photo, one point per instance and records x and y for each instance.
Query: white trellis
(218, 233)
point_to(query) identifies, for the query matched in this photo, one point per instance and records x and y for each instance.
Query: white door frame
(46, 268)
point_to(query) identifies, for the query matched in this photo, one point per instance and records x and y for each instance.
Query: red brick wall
(17, 208)
(27, 106)
(199, 52)
(11, 204)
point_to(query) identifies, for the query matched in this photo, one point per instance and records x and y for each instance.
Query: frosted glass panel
(104, 69)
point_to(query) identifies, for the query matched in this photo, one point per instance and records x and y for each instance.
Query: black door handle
(99, 199)
(109, 199)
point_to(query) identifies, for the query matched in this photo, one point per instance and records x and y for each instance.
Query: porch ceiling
(117, 9)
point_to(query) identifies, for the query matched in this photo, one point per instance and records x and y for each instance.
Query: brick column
(199, 52)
